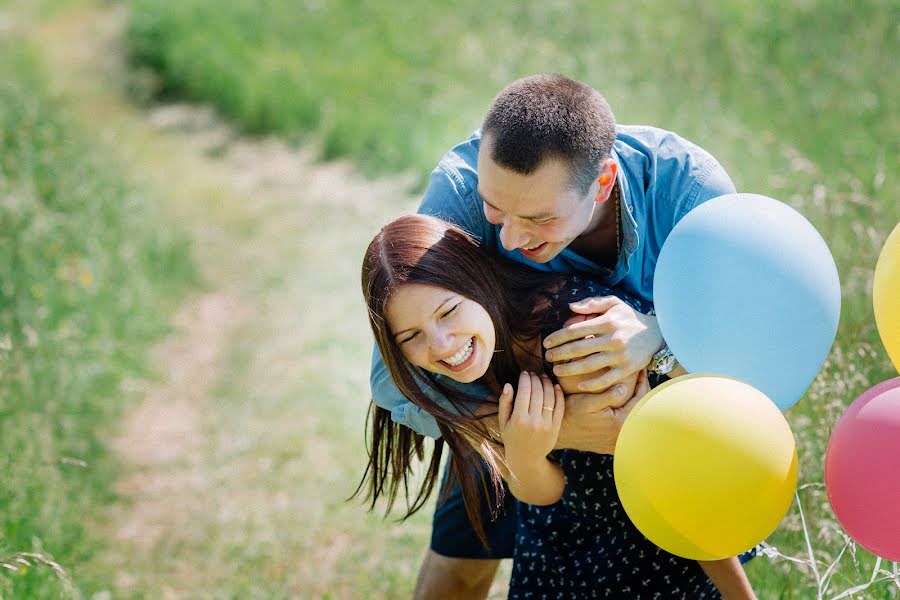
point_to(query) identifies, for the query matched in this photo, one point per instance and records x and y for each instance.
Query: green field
(88, 276)
(797, 99)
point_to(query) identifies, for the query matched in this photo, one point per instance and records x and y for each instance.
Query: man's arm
(386, 395)
(592, 422)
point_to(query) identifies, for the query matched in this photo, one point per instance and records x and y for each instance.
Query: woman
(438, 305)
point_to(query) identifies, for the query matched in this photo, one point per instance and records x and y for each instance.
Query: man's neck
(599, 244)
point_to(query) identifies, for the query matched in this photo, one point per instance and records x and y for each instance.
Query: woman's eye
(449, 312)
(410, 338)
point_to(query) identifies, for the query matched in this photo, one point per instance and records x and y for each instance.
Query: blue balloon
(746, 287)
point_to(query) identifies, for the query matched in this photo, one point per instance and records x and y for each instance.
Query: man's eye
(449, 312)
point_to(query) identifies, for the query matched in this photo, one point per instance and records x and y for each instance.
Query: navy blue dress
(585, 546)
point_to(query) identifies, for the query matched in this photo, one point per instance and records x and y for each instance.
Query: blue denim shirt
(661, 177)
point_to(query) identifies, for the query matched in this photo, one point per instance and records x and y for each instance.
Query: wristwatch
(663, 362)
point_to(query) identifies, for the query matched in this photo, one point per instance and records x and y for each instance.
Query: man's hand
(619, 341)
(592, 421)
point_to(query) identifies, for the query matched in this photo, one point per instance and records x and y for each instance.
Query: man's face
(539, 214)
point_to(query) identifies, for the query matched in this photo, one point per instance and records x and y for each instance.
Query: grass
(797, 99)
(87, 275)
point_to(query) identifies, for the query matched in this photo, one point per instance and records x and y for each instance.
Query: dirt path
(241, 455)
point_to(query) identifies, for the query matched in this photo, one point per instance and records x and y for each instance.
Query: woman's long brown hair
(427, 250)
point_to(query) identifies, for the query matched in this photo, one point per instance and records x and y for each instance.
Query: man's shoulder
(452, 192)
(656, 142)
(460, 163)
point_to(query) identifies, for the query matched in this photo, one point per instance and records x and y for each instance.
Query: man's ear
(607, 179)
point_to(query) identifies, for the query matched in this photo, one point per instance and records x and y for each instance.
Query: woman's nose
(441, 343)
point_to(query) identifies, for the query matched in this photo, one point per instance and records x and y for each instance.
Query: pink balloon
(862, 470)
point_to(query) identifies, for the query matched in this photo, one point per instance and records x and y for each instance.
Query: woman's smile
(463, 358)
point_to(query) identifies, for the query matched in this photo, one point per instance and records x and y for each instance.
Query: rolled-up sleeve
(386, 395)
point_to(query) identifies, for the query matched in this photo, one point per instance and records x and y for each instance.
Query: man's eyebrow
(537, 217)
(436, 311)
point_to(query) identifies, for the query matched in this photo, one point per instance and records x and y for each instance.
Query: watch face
(666, 364)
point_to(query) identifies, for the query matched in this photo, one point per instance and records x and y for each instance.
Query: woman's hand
(529, 426)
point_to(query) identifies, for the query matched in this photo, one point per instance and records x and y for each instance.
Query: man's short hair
(551, 116)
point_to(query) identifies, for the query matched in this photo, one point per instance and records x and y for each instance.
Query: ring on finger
(550, 408)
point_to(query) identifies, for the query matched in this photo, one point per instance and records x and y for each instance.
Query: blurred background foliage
(395, 84)
(88, 275)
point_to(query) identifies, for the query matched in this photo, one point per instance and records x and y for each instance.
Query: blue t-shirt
(661, 177)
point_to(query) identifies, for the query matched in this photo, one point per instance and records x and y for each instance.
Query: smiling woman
(441, 331)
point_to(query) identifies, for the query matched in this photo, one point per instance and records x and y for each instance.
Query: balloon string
(824, 580)
(812, 557)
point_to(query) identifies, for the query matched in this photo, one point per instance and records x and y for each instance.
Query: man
(551, 181)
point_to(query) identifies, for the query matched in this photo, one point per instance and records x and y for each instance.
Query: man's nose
(512, 236)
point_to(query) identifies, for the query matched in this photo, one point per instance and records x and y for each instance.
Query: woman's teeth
(461, 356)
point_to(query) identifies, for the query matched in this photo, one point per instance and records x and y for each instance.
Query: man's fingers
(594, 305)
(583, 347)
(642, 388)
(623, 411)
(585, 366)
(587, 403)
(576, 331)
(505, 405)
(601, 382)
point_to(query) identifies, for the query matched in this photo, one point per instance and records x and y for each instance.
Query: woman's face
(441, 331)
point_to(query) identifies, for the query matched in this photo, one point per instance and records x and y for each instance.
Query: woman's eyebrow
(436, 311)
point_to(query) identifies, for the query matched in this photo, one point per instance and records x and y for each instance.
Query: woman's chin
(470, 375)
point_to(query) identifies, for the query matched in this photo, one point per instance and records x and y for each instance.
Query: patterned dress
(585, 546)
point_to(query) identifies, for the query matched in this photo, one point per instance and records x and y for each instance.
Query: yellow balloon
(706, 466)
(886, 296)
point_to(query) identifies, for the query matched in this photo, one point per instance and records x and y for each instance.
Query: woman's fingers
(559, 406)
(537, 397)
(505, 405)
(523, 396)
(548, 401)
